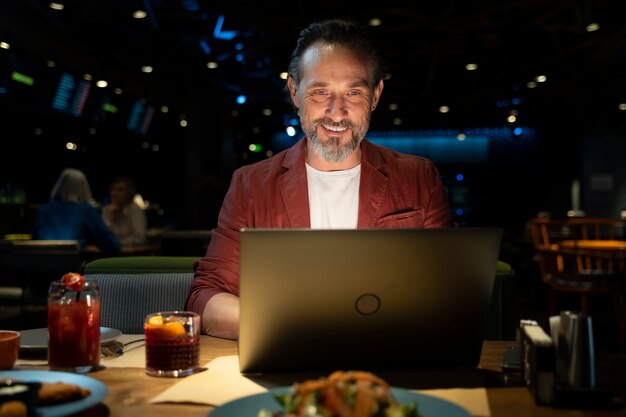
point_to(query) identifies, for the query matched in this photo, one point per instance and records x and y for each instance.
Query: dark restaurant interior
(520, 104)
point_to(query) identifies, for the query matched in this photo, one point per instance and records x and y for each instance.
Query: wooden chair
(583, 273)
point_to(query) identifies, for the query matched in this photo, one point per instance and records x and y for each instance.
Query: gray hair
(72, 186)
(344, 33)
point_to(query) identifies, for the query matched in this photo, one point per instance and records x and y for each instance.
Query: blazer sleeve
(218, 270)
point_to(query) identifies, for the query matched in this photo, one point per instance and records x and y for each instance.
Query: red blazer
(396, 191)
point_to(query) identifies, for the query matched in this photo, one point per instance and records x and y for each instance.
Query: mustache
(328, 122)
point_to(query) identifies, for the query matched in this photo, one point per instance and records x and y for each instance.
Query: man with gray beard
(333, 178)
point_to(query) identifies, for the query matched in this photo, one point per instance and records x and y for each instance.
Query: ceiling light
(283, 75)
(101, 83)
(147, 69)
(56, 6)
(139, 14)
(211, 65)
(471, 67)
(621, 106)
(541, 78)
(393, 106)
(375, 22)
(592, 27)
(444, 109)
(5, 45)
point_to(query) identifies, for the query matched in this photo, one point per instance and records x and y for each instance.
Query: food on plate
(13, 409)
(60, 392)
(17, 398)
(341, 394)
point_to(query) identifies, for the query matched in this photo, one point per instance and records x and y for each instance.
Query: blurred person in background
(122, 215)
(71, 215)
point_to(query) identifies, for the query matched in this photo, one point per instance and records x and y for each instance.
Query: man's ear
(293, 92)
(378, 90)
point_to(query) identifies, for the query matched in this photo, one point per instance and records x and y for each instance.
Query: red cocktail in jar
(73, 327)
(172, 343)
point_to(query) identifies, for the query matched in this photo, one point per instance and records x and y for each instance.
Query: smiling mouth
(338, 129)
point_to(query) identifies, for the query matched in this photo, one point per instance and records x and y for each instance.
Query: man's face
(335, 100)
(120, 194)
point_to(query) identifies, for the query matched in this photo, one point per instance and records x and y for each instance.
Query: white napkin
(223, 382)
(474, 400)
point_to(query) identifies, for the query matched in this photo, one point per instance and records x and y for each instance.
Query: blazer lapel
(374, 186)
(294, 188)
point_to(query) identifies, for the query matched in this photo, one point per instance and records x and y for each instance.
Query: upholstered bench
(501, 322)
(133, 286)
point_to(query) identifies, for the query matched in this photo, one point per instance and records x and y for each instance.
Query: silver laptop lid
(365, 298)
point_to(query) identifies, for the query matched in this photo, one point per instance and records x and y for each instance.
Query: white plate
(97, 388)
(426, 405)
(38, 338)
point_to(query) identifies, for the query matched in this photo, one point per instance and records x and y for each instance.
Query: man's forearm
(221, 316)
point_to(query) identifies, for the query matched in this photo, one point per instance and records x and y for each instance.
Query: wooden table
(130, 389)
(595, 244)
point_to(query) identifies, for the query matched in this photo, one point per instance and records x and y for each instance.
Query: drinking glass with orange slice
(172, 343)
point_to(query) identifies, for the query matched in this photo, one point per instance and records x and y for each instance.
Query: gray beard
(332, 150)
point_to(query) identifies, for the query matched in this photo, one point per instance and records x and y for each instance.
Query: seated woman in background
(125, 218)
(71, 215)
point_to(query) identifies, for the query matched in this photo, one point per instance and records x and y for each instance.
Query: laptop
(367, 299)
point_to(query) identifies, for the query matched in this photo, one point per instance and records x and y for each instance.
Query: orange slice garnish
(167, 330)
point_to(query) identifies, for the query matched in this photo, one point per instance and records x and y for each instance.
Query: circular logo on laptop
(367, 304)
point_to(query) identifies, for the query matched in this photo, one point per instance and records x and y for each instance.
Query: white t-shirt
(334, 198)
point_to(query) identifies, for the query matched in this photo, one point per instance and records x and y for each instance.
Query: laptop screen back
(364, 298)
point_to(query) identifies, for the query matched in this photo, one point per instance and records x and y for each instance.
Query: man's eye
(354, 93)
(320, 93)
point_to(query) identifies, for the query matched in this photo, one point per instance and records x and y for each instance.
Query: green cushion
(504, 268)
(501, 321)
(140, 264)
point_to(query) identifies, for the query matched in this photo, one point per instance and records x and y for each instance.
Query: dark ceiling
(428, 45)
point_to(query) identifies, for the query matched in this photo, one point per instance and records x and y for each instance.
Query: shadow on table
(411, 379)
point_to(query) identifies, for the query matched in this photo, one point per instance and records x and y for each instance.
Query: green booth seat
(132, 287)
(501, 323)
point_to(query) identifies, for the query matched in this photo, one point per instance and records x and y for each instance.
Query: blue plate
(427, 406)
(97, 388)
